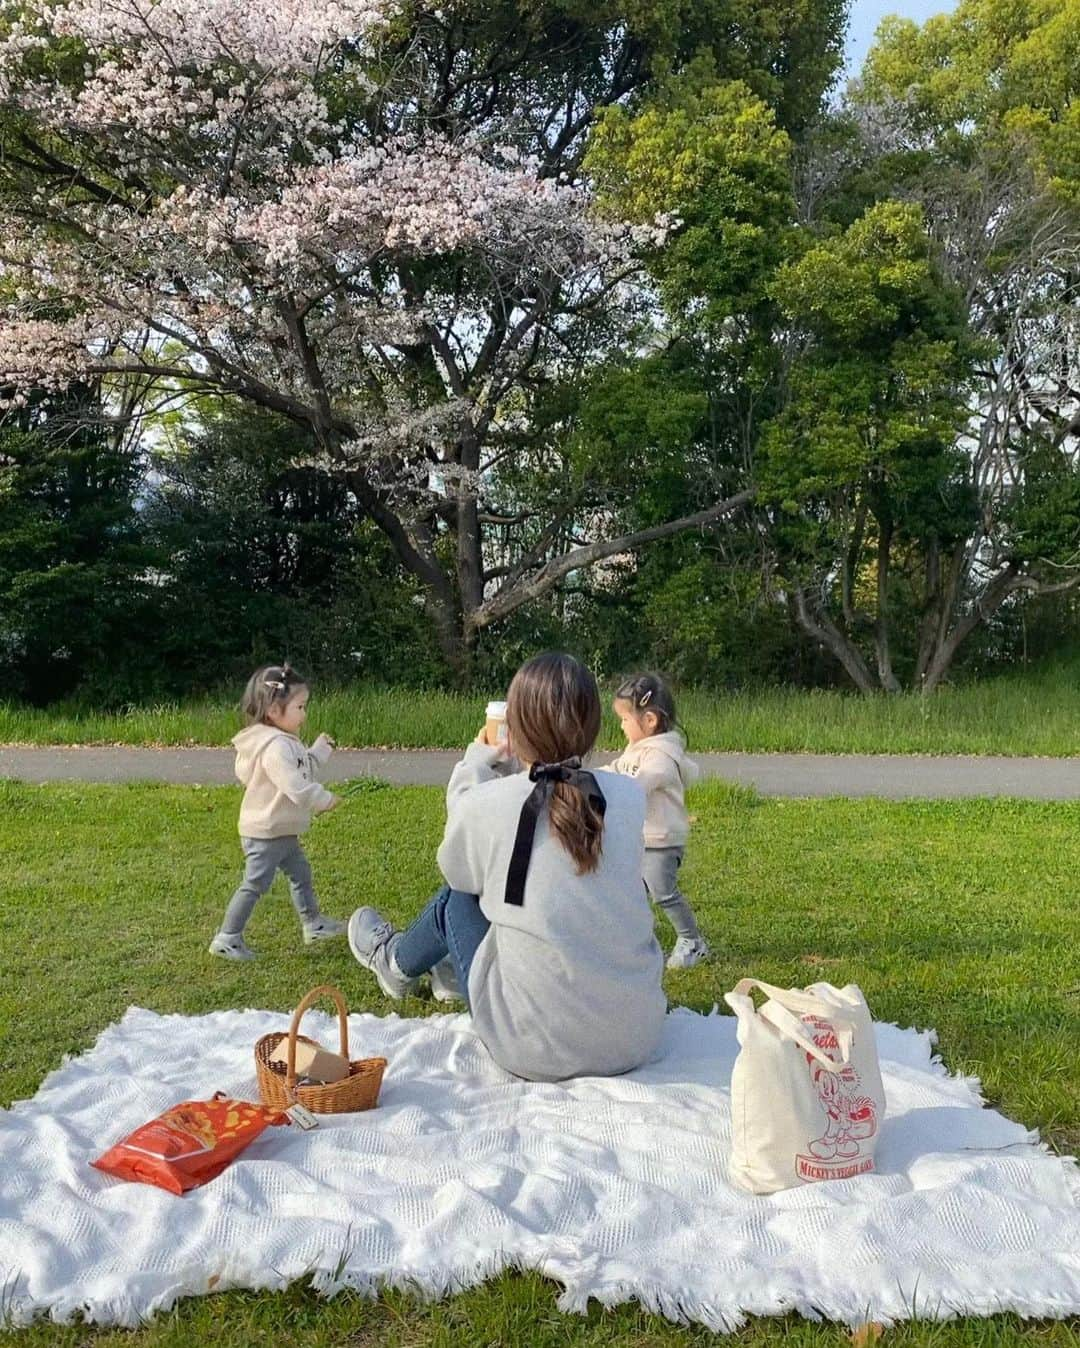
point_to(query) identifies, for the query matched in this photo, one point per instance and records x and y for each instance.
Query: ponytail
(650, 693)
(565, 819)
(577, 823)
(553, 715)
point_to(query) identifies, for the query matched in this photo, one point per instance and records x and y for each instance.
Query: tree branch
(513, 595)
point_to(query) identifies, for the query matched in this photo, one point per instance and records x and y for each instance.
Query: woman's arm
(460, 856)
(482, 762)
(465, 845)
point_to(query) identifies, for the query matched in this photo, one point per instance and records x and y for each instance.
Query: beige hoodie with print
(659, 763)
(280, 775)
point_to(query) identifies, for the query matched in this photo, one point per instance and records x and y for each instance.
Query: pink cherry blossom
(217, 223)
(286, 34)
(35, 353)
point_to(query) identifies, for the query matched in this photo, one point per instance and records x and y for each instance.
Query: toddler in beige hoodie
(280, 775)
(655, 756)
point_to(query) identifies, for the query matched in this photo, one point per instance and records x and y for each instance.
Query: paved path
(897, 776)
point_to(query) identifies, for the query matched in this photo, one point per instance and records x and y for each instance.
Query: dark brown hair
(649, 692)
(270, 686)
(553, 713)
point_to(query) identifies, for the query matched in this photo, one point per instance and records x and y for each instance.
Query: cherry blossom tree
(258, 201)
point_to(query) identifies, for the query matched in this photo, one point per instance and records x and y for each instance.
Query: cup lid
(496, 709)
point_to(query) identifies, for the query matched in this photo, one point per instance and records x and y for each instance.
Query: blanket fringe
(681, 1306)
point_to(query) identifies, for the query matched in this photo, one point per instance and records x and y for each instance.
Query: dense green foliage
(76, 564)
(271, 556)
(863, 315)
(878, 310)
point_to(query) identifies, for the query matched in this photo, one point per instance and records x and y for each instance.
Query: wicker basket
(277, 1081)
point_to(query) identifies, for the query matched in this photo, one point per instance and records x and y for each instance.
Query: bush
(77, 591)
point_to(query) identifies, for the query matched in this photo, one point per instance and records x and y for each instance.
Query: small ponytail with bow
(649, 693)
(272, 685)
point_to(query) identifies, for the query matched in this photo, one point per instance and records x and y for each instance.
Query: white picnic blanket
(615, 1188)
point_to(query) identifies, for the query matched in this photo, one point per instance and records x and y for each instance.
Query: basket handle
(323, 990)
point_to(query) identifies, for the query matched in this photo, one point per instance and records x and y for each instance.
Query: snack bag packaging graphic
(188, 1145)
(807, 1103)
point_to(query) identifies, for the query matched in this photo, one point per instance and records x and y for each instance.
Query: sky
(867, 14)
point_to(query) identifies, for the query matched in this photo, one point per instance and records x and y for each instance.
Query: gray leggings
(661, 871)
(265, 857)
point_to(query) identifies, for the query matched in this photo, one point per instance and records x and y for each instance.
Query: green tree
(710, 154)
(863, 467)
(77, 572)
(418, 340)
(974, 117)
(879, 315)
(270, 556)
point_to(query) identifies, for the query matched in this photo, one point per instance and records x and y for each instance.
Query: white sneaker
(444, 982)
(687, 953)
(322, 929)
(372, 940)
(232, 947)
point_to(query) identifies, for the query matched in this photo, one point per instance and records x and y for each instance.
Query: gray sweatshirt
(568, 984)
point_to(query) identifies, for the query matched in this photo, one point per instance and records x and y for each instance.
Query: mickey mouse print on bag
(851, 1116)
(807, 1101)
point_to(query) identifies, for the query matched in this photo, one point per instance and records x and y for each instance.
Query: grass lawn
(958, 915)
(1033, 711)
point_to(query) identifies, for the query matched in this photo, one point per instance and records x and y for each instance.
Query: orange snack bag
(189, 1144)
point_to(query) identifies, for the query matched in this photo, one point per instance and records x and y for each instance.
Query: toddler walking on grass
(282, 793)
(655, 756)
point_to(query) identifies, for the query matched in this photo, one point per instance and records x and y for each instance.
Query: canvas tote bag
(807, 1101)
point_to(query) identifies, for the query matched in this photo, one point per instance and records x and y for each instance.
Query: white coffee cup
(495, 723)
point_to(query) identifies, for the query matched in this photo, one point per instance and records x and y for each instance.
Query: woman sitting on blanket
(543, 922)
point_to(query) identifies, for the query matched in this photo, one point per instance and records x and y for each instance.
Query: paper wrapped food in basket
(279, 1082)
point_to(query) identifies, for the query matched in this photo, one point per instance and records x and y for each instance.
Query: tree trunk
(886, 676)
(851, 565)
(457, 642)
(820, 626)
(931, 613)
(986, 606)
(415, 550)
(470, 551)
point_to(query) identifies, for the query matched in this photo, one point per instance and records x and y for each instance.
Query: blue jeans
(452, 924)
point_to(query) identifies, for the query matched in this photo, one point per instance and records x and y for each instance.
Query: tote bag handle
(795, 999)
(778, 1013)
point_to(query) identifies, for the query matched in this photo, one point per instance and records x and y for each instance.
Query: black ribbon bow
(546, 776)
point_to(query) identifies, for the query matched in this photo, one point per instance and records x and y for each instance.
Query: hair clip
(645, 698)
(275, 683)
